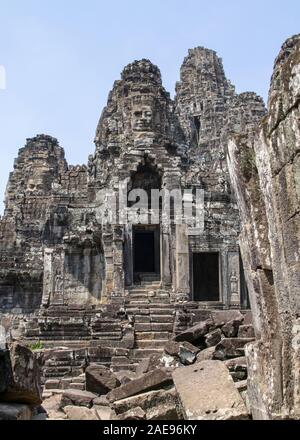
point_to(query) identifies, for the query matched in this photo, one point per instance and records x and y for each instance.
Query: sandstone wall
(264, 169)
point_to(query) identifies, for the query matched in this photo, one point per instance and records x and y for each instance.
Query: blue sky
(62, 57)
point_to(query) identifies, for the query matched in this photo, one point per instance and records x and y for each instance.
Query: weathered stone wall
(264, 169)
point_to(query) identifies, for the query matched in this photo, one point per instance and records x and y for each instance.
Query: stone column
(107, 238)
(118, 262)
(182, 263)
(166, 275)
(234, 279)
(48, 277)
(223, 273)
(128, 257)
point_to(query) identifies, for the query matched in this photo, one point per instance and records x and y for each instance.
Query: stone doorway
(206, 277)
(146, 253)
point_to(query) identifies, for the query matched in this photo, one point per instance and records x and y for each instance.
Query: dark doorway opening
(206, 277)
(146, 253)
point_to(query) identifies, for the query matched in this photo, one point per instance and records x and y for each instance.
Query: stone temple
(131, 277)
(69, 279)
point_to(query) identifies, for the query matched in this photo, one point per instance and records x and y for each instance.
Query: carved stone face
(142, 118)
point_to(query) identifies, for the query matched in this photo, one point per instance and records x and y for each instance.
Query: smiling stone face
(142, 118)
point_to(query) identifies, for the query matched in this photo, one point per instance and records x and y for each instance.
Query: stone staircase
(79, 335)
(153, 314)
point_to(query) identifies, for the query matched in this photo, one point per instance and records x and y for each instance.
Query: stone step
(155, 319)
(139, 297)
(162, 318)
(160, 300)
(48, 339)
(142, 318)
(119, 360)
(142, 353)
(162, 327)
(107, 335)
(147, 313)
(151, 306)
(138, 292)
(152, 335)
(147, 343)
(152, 302)
(152, 326)
(61, 364)
(124, 367)
(162, 310)
(134, 303)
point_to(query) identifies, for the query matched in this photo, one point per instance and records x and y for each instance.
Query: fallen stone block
(246, 331)
(213, 338)
(104, 412)
(53, 403)
(15, 411)
(101, 401)
(163, 412)
(57, 415)
(222, 317)
(154, 380)
(207, 392)
(23, 384)
(184, 351)
(146, 401)
(77, 398)
(100, 380)
(133, 414)
(237, 364)
(143, 367)
(124, 376)
(231, 348)
(194, 333)
(231, 328)
(206, 355)
(80, 413)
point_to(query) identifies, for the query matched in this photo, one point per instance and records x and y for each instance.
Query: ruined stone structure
(264, 168)
(71, 277)
(153, 298)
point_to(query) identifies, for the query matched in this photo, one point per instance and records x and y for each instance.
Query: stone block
(146, 401)
(246, 331)
(52, 384)
(213, 338)
(207, 392)
(194, 333)
(231, 348)
(77, 398)
(163, 412)
(184, 351)
(100, 380)
(206, 355)
(80, 413)
(150, 381)
(24, 385)
(222, 317)
(133, 414)
(104, 412)
(231, 328)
